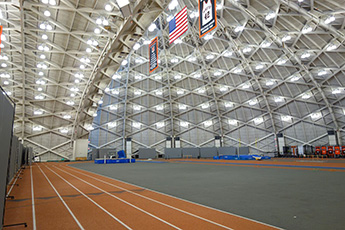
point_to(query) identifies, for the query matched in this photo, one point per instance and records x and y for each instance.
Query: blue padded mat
(115, 161)
(241, 157)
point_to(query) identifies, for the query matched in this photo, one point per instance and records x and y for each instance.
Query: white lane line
(150, 214)
(117, 180)
(90, 199)
(33, 201)
(57, 193)
(14, 182)
(156, 201)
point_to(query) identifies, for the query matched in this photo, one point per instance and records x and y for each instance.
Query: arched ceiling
(269, 67)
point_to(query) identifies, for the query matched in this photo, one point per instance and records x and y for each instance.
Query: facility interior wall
(6, 126)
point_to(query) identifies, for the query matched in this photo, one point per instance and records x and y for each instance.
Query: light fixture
(322, 73)
(201, 90)
(138, 77)
(97, 30)
(159, 92)
(44, 36)
(158, 77)
(159, 107)
(100, 102)
(177, 77)
(45, 26)
(223, 88)
(146, 42)
(269, 83)
(295, 78)
(88, 50)
(306, 96)
(305, 55)
(136, 46)
(266, 44)
(286, 38)
(258, 120)
(6, 82)
(270, 16)
(70, 103)
(64, 130)
(85, 60)
(336, 91)
(228, 104)
(36, 128)
(194, 14)
(116, 76)
(39, 97)
(180, 91)
(247, 50)
(89, 127)
(39, 89)
(113, 107)
(5, 75)
(174, 60)
(72, 94)
(52, 2)
(316, 115)
(47, 13)
(192, 59)
(205, 105)
(79, 75)
(43, 47)
(286, 118)
(112, 124)
(42, 56)
(136, 125)
(253, 102)
(94, 114)
(115, 91)
(329, 19)
(237, 70)
(173, 4)
(152, 27)
(3, 57)
(67, 116)
(38, 112)
(3, 37)
(124, 62)
(232, 122)
(136, 107)
(227, 53)
(239, 29)
(138, 60)
(99, 21)
(184, 123)
(137, 93)
(197, 75)
(108, 7)
(217, 74)
(3, 65)
(331, 47)
(40, 82)
(210, 56)
(260, 66)
(160, 124)
(307, 29)
(278, 99)
(74, 89)
(245, 86)
(178, 41)
(182, 106)
(208, 123)
(208, 37)
(282, 61)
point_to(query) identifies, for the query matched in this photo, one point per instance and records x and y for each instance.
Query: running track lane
(182, 213)
(19, 210)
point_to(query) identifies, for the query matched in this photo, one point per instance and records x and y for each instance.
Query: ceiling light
(232, 122)
(137, 92)
(37, 128)
(237, 70)
(39, 97)
(331, 47)
(45, 1)
(137, 107)
(260, 66)
(40, 73)
(94, 114)
(194, 14)
(269, 83)
(198, 75)
(217, 74)
(146, 42)
(173, 4)
(3, 57)
(266, 44)
(223, 88)
(105, 22)
(40, 82)
(159, 92)
(99, 21)
(330, 19)
(182, 107)
(138, 77)
(177, 77)
(278, 99)
(228, 104)
(208, 123)
(5, 75)
(239, 29)
(286, 38)
(286, 118)
(77, 81)
(258, 120)
(49, 27)
(282, 61)
(159, 107)
(44, 36)
(210, 56)
(152, 27)
(247, 50)
(208, 36)
(138, 61)
(113, 107)
(89, 127)
(108, 7)
(253, 102)
(201, 90)
(307, 29)
(52, 2)
(38, 112)
(4, 65)
(47, 13)
(245, 86)
(322, 73)
(42, 56)
(300, 1)
(158, 77)
(205, 105)
(174, 60)
(88, 50)
(227, 53)
(124, 62)
(336, 91)
(160, 124)
(316, 115)
(191, 59)
(74, 89)
(115, 91)
(270, 16)
(136, 46)
(64, 130)
(6, 82)
(70, 102)
(306, 96)
(184, 123)
(136, 125)
(97, 30)
(112, 124)
(180, 91)
(305, 55)
(2, 46)
(295, 78)
(39, 89)
(178, 41)
(67, 116)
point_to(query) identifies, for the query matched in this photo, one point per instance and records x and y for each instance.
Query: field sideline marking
(33, 201)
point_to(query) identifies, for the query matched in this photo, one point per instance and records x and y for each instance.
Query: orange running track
(55, 196)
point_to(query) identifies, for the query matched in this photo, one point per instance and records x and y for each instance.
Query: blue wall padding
(115, 161)
(241, 157)
(121, 154)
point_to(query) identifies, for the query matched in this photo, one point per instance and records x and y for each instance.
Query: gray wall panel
(147, 153)
(173, 153)
(106, 152)
(191, 152)
(244, 150)
(6, 125)
(227, 151)
(209, 152)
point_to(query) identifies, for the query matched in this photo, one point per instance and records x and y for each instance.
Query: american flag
(178, 25)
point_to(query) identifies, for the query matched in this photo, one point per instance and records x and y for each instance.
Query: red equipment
(318, 150)
(337, 151)
(324, 150)
(330, 151)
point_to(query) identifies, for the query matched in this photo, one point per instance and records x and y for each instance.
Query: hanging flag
(207, 16)
(153, 52)
(178, 25)
(0, 36)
